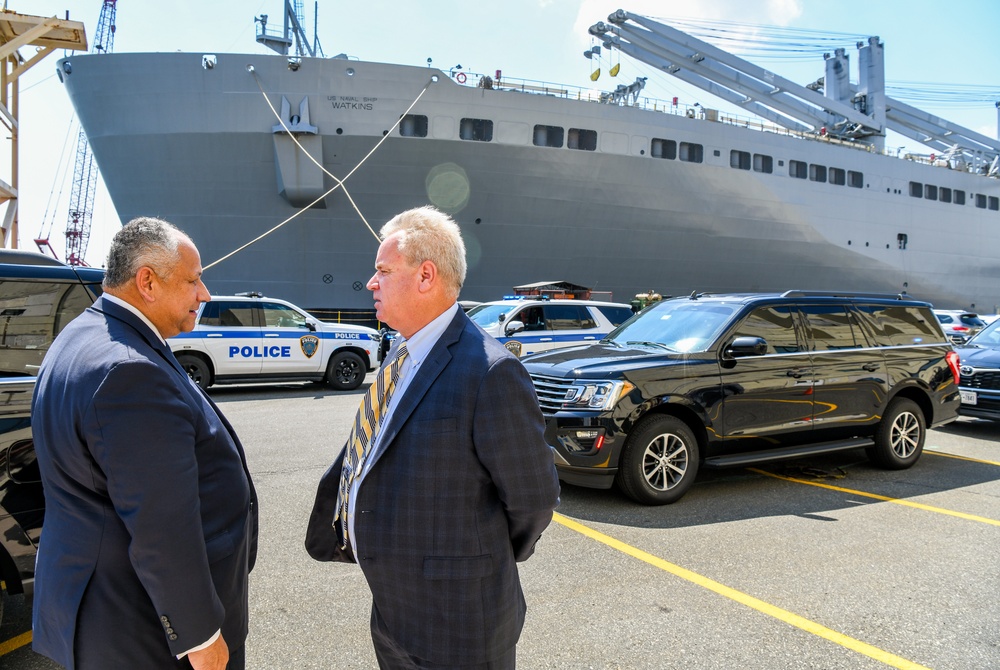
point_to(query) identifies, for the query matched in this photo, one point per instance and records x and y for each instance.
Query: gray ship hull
(196, 146)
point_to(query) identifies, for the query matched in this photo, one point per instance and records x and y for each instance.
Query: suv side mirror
(742, 347)
(513, 327)
(311, 325)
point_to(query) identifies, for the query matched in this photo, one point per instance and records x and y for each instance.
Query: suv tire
(899, 439)
(346, 371)
(196, 368)
(659, 462)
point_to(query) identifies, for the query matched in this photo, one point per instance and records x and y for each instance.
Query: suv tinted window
(224, 313)
(830, 328)
(567, 317)
(776, 325)
(900, 325)
(32, 313)
(277, 315)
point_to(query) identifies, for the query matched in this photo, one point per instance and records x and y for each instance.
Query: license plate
(968, 397)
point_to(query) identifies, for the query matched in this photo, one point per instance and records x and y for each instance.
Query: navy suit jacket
(461, 487)
(151, 516)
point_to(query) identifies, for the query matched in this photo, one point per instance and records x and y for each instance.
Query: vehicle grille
(988, 379)
(551, 392)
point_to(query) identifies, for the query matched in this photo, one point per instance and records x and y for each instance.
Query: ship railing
(674, 107)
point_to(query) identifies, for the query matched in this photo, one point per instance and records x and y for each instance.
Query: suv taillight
(952, 358)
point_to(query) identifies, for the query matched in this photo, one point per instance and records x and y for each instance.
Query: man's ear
(145, 279)
(427, 275)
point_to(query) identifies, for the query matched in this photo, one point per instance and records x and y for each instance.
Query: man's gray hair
(428, 234)
(142, 242)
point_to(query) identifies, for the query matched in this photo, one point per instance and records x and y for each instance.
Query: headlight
(595, 395)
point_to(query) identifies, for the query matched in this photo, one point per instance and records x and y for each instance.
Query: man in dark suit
(457, 483)
(150, 520)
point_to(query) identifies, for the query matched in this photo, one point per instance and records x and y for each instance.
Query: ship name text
(362, 104)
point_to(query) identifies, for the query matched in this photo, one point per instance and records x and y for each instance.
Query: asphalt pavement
(824, 563)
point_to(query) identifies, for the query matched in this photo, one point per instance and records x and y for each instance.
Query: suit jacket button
(164, 619)
(173, 637)
(170, 630)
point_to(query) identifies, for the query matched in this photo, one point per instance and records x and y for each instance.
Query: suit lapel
(430, 369)
(118, 312)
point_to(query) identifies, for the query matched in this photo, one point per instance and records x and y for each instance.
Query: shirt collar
(135, 310)
(422, 341)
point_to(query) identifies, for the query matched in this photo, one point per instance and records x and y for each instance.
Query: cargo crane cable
(63, 167)
(339, 182)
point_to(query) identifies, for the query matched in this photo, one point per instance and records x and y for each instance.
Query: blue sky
(925, 41)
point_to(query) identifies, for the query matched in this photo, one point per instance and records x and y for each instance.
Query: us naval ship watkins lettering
(611, 193)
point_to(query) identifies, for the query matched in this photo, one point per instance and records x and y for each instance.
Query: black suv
(38, 298)
(725, 380)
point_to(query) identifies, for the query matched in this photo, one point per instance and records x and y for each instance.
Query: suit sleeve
(508, 433)
(146, 447)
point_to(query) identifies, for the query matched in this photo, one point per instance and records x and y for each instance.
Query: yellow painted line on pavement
(897, 501)
(961, 458)
(15, 643)
(742, 598)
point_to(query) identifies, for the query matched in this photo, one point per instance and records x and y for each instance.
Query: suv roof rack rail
(845, 294)
(250, 294)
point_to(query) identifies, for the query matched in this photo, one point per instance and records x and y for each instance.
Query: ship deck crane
(860, 112)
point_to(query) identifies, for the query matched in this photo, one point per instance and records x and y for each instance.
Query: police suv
(248, 337)
(527, 325)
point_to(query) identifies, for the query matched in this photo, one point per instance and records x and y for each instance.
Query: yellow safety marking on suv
(898, 501)
(15, 643)
(743, 598)
(961, 458)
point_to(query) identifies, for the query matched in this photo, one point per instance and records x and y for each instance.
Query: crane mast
(81, 202)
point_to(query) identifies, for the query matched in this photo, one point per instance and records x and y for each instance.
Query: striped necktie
(369, 419)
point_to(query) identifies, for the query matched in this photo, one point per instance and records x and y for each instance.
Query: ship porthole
(350, 72)
(478, 221)
(340, 131)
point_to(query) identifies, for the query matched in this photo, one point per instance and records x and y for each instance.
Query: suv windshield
(680, 325)
(988, 336)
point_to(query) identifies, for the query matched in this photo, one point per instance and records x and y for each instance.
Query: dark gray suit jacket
(151, 516)
(462, 487)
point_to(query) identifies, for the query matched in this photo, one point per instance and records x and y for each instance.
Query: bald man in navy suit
(459, 483)
(151, 516)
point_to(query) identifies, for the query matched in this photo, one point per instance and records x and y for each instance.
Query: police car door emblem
(514, 347)
(309, 344)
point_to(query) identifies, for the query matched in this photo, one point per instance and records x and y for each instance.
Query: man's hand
(213, 657)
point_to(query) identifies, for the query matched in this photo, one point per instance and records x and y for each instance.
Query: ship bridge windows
(660, 148)
(916, 189)
(959, 197)
(855, 179)
(930, 192)
(477, 130)
(691, 152)
(413, 125)
(580, 138)
(944, 194)
(739, 159)
(548, 136)
(994, 203)
(763, 163)
(837, 176)
(980, 201)
(798, 169)
(817, 173)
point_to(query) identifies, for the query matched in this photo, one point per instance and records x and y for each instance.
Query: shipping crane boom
(81, 202)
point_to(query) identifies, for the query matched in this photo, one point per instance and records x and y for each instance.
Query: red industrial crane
(81, 201)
